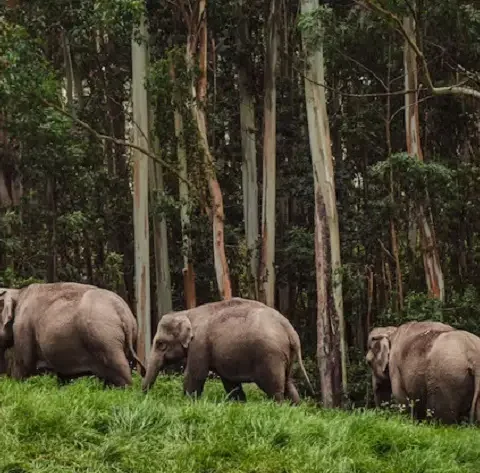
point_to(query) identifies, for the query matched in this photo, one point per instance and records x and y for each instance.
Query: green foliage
(25, 75)
(82, 427)
(313, 25)
(415, 178)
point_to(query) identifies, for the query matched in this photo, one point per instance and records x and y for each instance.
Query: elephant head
(171, 342)
(379, 351)
(8, 301)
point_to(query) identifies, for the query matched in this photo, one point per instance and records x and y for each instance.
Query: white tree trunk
(267, 270)
(140, 131)
(431, 258)
(330, 322)
(249, 153)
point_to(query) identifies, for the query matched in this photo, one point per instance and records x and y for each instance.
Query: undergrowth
(82, 427)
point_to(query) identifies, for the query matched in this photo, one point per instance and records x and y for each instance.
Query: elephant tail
(297, 348)
(476, 393)
(143, 370)
(129, 329)
(304, 371)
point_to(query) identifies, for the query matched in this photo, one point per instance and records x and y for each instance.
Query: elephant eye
(161, 345)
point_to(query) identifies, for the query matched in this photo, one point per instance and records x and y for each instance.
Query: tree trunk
(267, 270)
(249, 151)
(185, 203)
(198, 109)
(160, 238)
(52, 230)
(431, 259)
(393, 231)
(330, 323)
(140, 190)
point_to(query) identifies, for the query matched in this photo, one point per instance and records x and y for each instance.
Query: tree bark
(393, 231)
(330, 323)
(431, 259)
(140, 190)
(199, 96)
(184, 195)
(249, 151)
(160, 238)
(267, 270)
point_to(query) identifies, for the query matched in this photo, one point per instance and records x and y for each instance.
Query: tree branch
(448, 90)
(346, 94)
(118, 141)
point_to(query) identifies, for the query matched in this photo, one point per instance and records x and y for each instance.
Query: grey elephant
(239, 339)
(430, 364)
(71, 329)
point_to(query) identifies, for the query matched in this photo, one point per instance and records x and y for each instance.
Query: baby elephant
(239, 339)
(71, 329)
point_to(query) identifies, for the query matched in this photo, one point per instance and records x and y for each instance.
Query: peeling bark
(331, 350)
(431, 259)
(199, 96)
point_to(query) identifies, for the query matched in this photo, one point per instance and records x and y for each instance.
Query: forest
(321, 157)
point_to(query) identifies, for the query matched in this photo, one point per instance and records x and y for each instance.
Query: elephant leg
(291, 392)
(443, 405)
(196, 369)
(193, 385)
(382, 391)
(63, 380)
(116, 373)
(234, 391)
(25, 362)
(270, 378)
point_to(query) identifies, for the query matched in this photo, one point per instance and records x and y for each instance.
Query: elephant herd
(74, 329)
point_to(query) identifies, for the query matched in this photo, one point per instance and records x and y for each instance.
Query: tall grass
(81, 427)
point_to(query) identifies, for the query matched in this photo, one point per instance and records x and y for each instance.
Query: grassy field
(81, 427)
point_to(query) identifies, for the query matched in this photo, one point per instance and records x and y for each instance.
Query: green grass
(83, 428)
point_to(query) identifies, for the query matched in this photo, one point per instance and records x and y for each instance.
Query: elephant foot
(234, 391)
(291, 393)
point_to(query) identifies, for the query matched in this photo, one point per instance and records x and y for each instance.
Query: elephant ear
(185, 333)
(8, 299)
(383, 354)
(379, 348)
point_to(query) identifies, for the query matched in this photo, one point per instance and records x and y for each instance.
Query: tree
(197, 35)
(267, 269)
(249, 148)
(185, 202)
(408, 32)
(330, 324)
(140, 186)
(160, 241)
(431, 259)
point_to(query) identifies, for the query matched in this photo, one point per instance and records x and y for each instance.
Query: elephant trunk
(154, 366)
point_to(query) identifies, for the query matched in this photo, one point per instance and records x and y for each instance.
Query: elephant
(240, 340)
(430, 363)
(71, 329)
